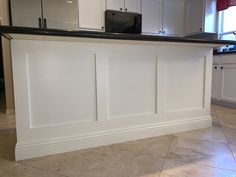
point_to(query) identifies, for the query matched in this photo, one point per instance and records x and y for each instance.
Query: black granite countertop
(8, 30)
(224, 53)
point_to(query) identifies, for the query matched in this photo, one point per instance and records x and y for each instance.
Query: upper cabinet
(159, 17)
(26, 13)
(133, 6)
(200, 16)
(173, 17)
(124, 5)
(117, 5)
(152, 16)
(91, 14)
(195, 15)
(163, 17)
(56, 14)
(60, 14)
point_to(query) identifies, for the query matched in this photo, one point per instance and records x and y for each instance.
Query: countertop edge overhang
(225, 53)
(9, 32)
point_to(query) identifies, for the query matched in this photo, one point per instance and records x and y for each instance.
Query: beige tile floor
(201, 153)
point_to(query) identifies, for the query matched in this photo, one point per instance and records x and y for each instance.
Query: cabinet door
(115, 5)
(228, 83)
(133, 6)
(26, 13)
(91, 14)
(173, 17)
(215, 83)
(152, 16)
(61, 14)
(194, 16)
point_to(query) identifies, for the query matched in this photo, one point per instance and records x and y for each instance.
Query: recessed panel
(61, 88)
(228, 92)
(131, 85)
(184, 83)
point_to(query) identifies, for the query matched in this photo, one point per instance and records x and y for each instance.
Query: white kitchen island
(75, 93)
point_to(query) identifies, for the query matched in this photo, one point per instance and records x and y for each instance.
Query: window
(227, 24)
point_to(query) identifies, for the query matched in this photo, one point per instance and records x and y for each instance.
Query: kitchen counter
(9, 32)
(76, 90)
(224, 53)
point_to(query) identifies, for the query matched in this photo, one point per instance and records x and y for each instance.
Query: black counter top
(8, 30)
(224, 53)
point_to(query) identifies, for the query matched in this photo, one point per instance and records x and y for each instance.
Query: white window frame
(220, 26)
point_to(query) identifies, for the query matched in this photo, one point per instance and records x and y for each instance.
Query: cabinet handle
(40, 23)
(159, 32)
(216, 67)
(126, 9)
(163, 32)
(121, 9)
(221, 67)
(45, 22)
(200, 29)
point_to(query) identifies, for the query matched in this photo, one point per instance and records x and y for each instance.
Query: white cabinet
(173, 17)
(115, 5)
(194, 12)
(91, 14)
(201, 16)
(26, 13)
(152, 16)
(164, 17)
(228, 83)
(56, 14)
(54, 18)
(124, 5)
(133, 6)
(223, 78)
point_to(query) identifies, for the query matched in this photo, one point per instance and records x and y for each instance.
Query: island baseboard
(68, 144)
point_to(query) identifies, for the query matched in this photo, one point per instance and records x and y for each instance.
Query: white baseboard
(38, 149)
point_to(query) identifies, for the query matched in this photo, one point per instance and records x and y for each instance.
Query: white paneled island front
(76, 93)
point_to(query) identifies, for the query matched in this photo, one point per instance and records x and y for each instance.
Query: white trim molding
(67, 144)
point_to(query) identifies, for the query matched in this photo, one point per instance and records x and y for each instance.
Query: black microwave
(123, 22)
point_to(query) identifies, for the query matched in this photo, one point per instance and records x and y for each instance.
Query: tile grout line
(165, 157)
(222, 128)
(232, 152)
(225, 143)
(228, 143)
